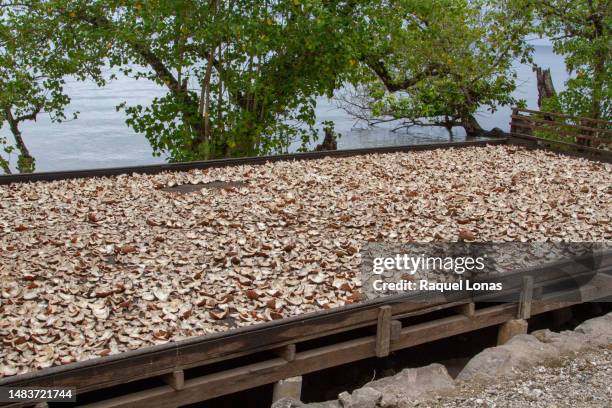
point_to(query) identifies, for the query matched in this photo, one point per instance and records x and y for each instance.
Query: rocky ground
(583, 379)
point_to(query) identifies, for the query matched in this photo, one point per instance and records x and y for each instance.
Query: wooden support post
(510, 329)
(467, 309)
(175, 379)
(515, 112)
(524, 310)
(286, 352)
(396, 330)
(288, 388)
(383, 331)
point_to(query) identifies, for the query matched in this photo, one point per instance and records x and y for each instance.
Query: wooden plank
(100, 373)
(430, 309)
(396, 330)
(242, 378)
(175, 379)
(539, 286)
(596, 290)
(591, 153)
(554, 273)
(235, 380)
(467, 309)
(555, 124)
(287, 388)
(253, 375)
(327, 323)
(566, 133)
(557, 271)
(230, 381)
(509, 329)
(287, 352)
(451, 326)
(599, 287)
(383, 331)
(239, 161)
(560, 115)
(526, 298)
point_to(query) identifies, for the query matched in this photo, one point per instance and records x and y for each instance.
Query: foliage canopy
(435, 63)
(580, 31)
(241, 77)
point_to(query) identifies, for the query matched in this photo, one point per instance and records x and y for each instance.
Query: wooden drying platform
(206, 367)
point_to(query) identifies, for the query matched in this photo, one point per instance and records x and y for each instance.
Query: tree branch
(392, 84)
(30, 116)
(4, 165)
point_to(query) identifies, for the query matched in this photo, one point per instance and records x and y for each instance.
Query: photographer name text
(423, 284)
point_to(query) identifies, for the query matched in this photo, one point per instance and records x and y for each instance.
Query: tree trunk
(471, 126)
(25, 162)
(448, 125)
(329, 142)
(546, 88)
(4, 165)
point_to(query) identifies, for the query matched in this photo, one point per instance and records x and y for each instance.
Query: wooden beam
(590, 153)
(175, 379)
(525, 299)
(287, 352)
(246, 377)
(602, 121)
(396, 330)
(544, 123)
(287, 388)
(510, 329)
(467, 309)
(383, 331)
(428, 308)
(240, 161)
(451, 326)
(266, 372)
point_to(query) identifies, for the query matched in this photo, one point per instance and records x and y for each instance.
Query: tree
(241, 76)
(435, 63)
(33, 70)
(580, 31)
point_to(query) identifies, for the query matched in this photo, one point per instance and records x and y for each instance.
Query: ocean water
(100, 138)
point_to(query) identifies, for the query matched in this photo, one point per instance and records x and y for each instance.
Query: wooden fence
(595, 133)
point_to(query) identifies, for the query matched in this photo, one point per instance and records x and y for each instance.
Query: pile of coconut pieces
(92, 267)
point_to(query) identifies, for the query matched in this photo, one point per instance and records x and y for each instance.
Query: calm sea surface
(99, 137)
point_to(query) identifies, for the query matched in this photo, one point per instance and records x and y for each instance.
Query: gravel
(579, 380)
(92, 267)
